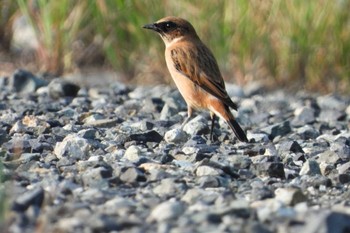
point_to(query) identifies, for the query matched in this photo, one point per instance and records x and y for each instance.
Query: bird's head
(172, 28)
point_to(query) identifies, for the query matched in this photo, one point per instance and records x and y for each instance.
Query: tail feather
(240, 134)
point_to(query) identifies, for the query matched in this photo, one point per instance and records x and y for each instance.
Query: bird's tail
(240, 134)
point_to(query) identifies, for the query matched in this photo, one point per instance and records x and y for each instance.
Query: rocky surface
(114, 159)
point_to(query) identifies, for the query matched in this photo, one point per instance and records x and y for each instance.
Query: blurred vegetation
(3, 204)
(300, 44)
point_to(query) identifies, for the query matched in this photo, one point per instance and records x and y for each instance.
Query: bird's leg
(213, 118)
(189, 115)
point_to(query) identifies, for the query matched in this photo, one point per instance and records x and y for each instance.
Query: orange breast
(194, 96)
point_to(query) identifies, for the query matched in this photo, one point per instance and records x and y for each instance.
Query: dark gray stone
(279, 129)
(307, 132)
(25, 82)
(148, 136)
(33, 198)
(327, 222)
(59, 88)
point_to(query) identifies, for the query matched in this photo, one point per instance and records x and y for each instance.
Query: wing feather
(199, 65)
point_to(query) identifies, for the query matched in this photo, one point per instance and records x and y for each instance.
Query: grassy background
(298, 44)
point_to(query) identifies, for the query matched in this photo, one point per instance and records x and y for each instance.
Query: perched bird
(195, 72)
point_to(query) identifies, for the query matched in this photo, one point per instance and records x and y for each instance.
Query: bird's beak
(151, 26)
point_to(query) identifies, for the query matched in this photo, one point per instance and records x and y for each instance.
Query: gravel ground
(114, 159)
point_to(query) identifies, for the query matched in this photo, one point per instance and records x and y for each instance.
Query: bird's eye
(169, 25)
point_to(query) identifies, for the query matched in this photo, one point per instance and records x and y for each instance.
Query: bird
(195, 72)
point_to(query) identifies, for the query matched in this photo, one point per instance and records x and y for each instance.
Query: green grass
(301, 44)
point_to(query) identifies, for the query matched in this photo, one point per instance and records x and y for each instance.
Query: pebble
(290, 196)
(59, 87)
(176, 136)
(25, 82)
(197, 125)
(303, 115)
(310, 167)
(72, 146)
(166, 211)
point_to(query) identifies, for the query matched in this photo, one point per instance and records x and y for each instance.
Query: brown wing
(207, 75)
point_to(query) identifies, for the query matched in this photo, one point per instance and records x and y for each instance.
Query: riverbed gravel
(113, 158)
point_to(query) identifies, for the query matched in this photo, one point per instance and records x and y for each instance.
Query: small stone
(101, 223)
(18, 145)
(73, 147)
(192, 195)
(167, 210)
(290, 146)
(176, 136)
(90, 118)
(331, 115)
(119, 205)
(27, 157)
(331, 102)
(167, 188)
(326, 168)
(197, 126)
(23, 81)
(310, 167)
(18, 127)
(327, 222)
(133, 154)
(88, 133)
(168, 112)
(96, 177)
(59, 87)
(104, 123)
(344, 168)
(344, 178)
(328, 157)
(290, 196)
(205, 170)
(257, 137)
(269, 169)
(267, 209)
(279, 129)
(209, 181)
(147, 136)
(308, 132)
(33, 198)
(260, 192)
(240, 161)
(68, 112)
(132, 175)
(142, 125)
(303, 115)
(341, 149)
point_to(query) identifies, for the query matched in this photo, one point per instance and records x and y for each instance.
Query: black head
(171, 28)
